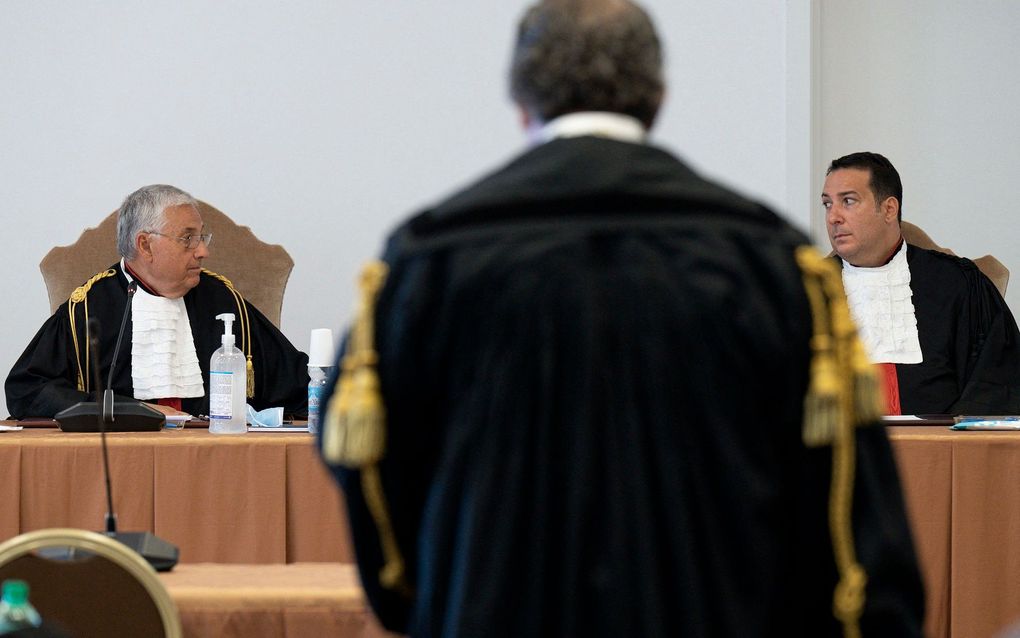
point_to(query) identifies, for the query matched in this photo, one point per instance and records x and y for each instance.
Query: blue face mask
(268, 418)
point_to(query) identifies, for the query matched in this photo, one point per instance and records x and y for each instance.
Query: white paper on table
(282, 428)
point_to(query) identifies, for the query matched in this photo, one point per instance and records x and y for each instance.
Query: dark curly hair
(587, 55)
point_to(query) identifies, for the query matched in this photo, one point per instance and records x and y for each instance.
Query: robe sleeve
(990, 383)
(42, 381)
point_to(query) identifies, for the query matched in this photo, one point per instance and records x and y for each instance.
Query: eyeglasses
(190, 241)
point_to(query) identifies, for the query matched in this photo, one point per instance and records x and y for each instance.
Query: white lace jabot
(881, 305)
(163, 359)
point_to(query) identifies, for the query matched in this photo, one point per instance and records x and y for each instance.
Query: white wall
(321, 124)
(934, 86)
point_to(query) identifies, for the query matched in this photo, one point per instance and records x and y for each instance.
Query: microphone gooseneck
(132, 287)
(93, 326)
(107, 407)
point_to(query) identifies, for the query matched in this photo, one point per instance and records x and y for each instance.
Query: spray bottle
(227, 384)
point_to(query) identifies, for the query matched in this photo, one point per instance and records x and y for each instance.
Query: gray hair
(587, 55)
(143, 210)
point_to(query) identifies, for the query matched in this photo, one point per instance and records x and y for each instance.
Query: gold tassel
(869, 393)
(366, 429)
(869, 401)
(354, 434)
(334, 428)
(354, 429)
(821, 404)
(249, 378)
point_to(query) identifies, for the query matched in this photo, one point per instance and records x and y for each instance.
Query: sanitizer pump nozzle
(228, 328)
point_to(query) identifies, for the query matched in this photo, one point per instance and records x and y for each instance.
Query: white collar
(881, 304)
(164, 363)
(616, 126)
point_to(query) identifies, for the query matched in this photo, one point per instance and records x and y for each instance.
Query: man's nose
(833, 216)
(202, 251)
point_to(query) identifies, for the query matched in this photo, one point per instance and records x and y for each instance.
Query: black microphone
(160, 554)
(124, 415)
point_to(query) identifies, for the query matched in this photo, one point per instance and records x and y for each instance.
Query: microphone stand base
(127, 417)
(158, 552)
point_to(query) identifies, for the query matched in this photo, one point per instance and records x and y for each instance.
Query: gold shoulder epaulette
(80, 295)
(843, 392)
(354, 426)
(244, 329)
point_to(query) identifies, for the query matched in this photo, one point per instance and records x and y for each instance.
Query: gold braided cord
(843, 393)
(80, 296)
(244, 329)
(821, 404)
(393, 574)
(354, 426)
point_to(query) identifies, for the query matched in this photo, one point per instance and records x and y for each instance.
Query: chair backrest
(258, 270)
(990, 266)
(98, 587)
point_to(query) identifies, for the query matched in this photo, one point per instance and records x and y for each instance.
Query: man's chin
(191, 282)
(842, 246)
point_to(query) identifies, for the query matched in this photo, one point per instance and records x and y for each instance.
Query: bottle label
(221, 389)
(315, 392)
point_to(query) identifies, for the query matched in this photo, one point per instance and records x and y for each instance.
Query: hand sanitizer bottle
(227, 384)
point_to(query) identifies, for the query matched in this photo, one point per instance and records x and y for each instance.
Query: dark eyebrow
(841, 194)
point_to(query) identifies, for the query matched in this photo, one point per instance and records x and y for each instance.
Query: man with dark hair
(578, 398)
(947, 342)
(568, 68)
(171, 331)
(884, 178)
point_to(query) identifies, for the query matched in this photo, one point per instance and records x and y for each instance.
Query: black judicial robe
(593, 364)
(43, 381)
(969, 341)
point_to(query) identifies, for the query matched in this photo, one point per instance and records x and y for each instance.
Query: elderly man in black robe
(172, 330)
(594, 394)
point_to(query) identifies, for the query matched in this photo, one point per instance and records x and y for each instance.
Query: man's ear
(890, 209)
(523, 116)
(143, 246)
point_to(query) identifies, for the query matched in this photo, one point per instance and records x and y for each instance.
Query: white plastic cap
(320, 350)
